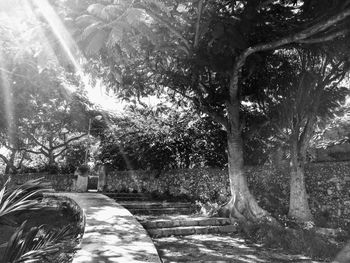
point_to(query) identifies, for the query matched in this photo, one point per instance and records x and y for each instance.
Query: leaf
(111, 12)
(129, 48)
(89, 30)
(147, 32)
(157, 4)
(115, 36)
(96, 42)
(96, 9)
(134, 16)
(118, 75)
(116, 53)
(86, 20)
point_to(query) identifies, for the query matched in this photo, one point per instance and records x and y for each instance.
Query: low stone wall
(328, 186)
(59, 182)
(198, 184)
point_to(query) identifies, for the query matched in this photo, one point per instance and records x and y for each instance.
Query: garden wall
(59, 182)
(328, 185)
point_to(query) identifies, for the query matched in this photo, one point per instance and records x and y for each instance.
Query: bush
(36, 243)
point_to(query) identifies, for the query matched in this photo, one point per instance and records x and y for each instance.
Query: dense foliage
(43, 109)
(162, 138)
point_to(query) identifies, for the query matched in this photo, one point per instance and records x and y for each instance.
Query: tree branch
(215, 115)
(36, 141)
(300, 36)
(69, 141)
(34, 152)
(296, 38)
(59, 153)
(7, 161)
(200, 9)
(325, 38)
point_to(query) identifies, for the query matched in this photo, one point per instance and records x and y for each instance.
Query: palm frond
(37, 245)
(21, 198)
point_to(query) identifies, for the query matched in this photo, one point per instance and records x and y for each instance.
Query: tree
(47, 118)
(160, 138)
(205, 51)
(306, 92)
(39, 113)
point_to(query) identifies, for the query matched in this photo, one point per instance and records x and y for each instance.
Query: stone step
(191, 230)
(161, 211)
(125, 194)
(153, 204)
(199, 221)
(131, 195)
(130, 198)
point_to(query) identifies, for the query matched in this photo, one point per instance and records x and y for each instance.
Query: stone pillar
(101, 178)
(81, 179)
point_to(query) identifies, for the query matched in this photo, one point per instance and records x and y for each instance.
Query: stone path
(112, 234)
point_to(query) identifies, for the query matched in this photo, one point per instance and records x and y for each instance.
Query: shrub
(35, 244)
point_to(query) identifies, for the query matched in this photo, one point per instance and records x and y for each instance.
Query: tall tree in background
(205, 51)
(306, 91)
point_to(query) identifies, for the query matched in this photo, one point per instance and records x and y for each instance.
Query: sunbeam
(66, 41)
(5, 78)
(95, 92)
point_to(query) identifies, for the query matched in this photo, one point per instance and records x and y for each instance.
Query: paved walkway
(112, 234)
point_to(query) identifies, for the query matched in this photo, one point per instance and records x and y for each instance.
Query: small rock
(333, 180)
(329, 191)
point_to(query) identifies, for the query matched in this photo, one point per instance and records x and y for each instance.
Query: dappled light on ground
(224, 248)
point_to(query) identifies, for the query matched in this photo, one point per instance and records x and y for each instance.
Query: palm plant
(35, 244)
(21, 198)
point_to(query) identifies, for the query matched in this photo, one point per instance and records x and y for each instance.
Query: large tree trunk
(242, 204)
(298, 203)
(10, 164)
(51, 158)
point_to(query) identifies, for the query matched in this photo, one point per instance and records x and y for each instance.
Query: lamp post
(98, 118)
(89, 143)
